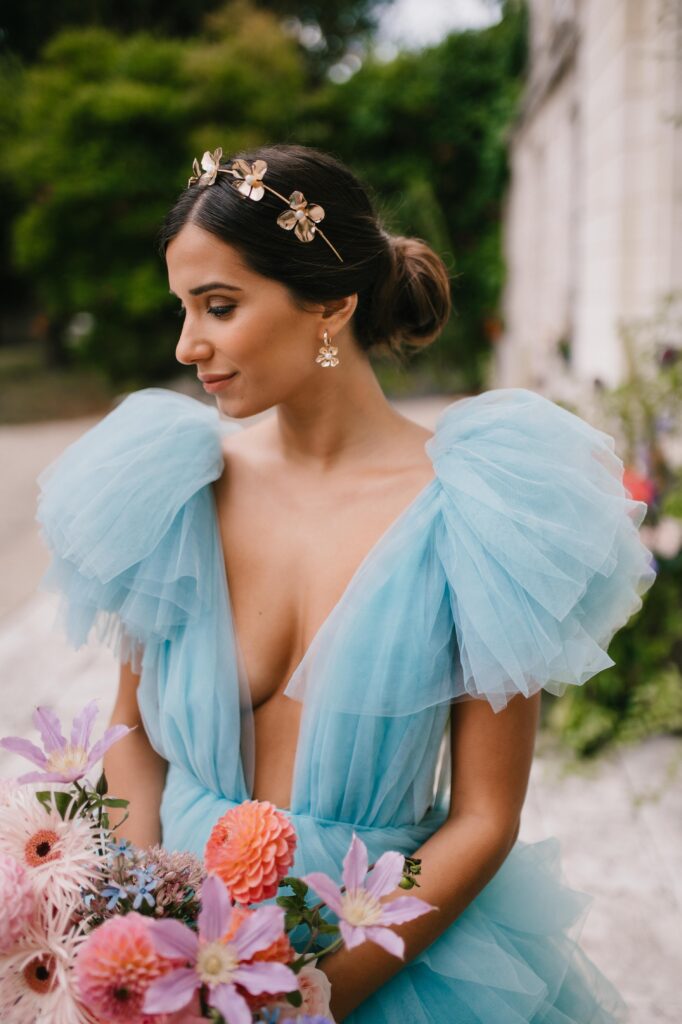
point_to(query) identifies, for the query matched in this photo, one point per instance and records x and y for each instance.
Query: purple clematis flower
(62, 760)
(361, 915)
(217, 963)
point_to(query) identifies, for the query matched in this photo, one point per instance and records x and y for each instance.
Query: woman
(337, 611)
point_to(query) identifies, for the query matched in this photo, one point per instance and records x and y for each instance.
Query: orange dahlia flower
(250, 849)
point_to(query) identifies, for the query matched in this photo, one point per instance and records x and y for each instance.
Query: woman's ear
(337, 312)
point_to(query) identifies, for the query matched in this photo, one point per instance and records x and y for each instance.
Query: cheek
(269, 339)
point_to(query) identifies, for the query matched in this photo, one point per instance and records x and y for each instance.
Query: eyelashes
(217, 311)
(220, 311)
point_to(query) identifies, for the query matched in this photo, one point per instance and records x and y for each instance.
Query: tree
(428, 130)
(26, 27)
(105, 131)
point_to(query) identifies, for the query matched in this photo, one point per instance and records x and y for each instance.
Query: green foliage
(428, 131)
(641, 694)
(106, 130)
(27, 26)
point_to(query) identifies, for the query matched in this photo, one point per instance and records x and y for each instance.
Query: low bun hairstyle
(403, 286)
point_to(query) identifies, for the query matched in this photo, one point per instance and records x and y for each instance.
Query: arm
(133, 768)
(491, 760)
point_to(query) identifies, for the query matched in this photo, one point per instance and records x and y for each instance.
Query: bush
(106, 128)
(641, 694)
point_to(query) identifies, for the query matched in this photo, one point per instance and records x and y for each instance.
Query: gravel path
(619, 821)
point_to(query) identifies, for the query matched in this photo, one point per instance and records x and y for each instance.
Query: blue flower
(120, 848)
(88, 897)
(146, 883)
(113, 893)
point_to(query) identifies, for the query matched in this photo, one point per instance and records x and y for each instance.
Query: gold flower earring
(328, 352)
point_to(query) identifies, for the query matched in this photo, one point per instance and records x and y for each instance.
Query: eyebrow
(200, 289)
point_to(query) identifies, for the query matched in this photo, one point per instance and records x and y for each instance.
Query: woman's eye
(220, 310)
(214, 310)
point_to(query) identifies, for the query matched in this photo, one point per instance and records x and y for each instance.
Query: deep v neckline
(239, 661)
(366, 560)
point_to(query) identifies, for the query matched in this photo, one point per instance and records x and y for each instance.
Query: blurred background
(537, 146)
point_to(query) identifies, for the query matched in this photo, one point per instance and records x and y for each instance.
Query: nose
(191, 347)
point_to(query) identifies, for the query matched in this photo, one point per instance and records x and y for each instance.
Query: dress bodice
(510, 571)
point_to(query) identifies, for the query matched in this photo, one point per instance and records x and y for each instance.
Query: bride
(338, 611)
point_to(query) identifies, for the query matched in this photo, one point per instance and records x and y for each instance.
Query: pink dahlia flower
(224, 966)
(63, 760)
(17, 901)
(115, 967)
(361, 915)
(251, 848)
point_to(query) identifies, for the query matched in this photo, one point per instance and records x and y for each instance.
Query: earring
(328, 352)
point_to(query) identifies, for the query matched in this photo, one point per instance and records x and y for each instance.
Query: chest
(289, 556)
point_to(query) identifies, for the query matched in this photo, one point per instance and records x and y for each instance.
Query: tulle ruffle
(539, 542)
(125, 512)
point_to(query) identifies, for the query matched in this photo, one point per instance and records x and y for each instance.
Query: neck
(339, 414)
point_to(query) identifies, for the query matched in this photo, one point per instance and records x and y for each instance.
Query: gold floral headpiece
(302, 216)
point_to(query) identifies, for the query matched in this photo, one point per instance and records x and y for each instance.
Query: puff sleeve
(539, 542)
(123, 510)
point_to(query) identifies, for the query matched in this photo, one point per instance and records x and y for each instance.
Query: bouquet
(95, 931)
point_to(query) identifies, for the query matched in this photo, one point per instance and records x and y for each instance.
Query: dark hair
(403, 286)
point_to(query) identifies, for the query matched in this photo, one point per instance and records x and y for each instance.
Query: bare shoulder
(250, 446)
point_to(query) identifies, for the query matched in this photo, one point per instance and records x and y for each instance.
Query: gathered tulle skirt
(511, 957)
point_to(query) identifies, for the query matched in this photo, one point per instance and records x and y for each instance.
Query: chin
(236, 408)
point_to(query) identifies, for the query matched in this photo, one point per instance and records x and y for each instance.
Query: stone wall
(593, 221)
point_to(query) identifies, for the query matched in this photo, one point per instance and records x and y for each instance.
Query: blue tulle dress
(510, 571)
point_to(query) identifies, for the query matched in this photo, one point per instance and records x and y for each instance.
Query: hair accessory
(328, 352)
(302, 216)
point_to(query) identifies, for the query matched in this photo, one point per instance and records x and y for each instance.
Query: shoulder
(539, 540)
(123, 510)
(152, 439)
(511, 416)
(525, 455)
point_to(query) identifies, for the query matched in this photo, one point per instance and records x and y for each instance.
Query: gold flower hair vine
(302, 216)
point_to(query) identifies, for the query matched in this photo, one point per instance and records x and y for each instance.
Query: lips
(215, 383)
(211, 378)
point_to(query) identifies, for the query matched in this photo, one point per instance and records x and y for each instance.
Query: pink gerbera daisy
(59, 854)
(17, 901)
(37, 983)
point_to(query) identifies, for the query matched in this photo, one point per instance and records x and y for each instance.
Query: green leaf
(289, 902)
(43, 797)
(325, 928)
(299, 887)
(65, 803)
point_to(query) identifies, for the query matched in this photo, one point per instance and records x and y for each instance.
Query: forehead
(195, 251)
